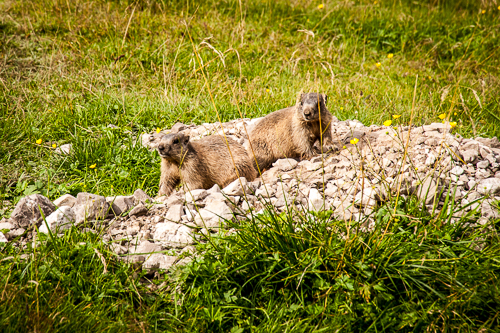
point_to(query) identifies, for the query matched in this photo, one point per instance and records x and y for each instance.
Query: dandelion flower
(378, 64)
(267, 90)
(453, 124)
(416, 169)
(354, 141)
(39, 141)
(388, 123)
(390, 55)
(483, 11)
(158, 130)
(54, 145)
(92, 166)
(320, 6)
(442, 116)
(341, 108)
(455, 113)
(396, 116)
(498, 7)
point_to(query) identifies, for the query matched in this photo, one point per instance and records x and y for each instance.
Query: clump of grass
(278, 275)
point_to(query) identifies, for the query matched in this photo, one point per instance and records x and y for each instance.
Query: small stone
(27, 211)
(285, 164)
(457, 171)
(159, 261)
(427, 190)
(145, 247)
(216, 197)
(90, 207)
(174, 213)
(214, 189)
(213, 214)
(366, 197)
(489, 186)
(141, 196)
(6, 225)
(235, 187)
(483, 164)
(63, 149)
(471, 184)
(3, 239)
(470, 155)
(196, 195)
(138, 210)
(178, 127)
(173, 235)
(118, 249)
(120, 204)
(489, 209)
(65, 200)
(14, 233)
(316, 200)
(61, 219)
(174, 199)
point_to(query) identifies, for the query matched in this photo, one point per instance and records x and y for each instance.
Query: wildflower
(320, 6)
(416, 169)
(395, 127)
(388, 123)
(375, 2)
(378, 64)
(39, 141)
(267, 90)
(442, 116)
(54, 145)
(354, 141)
(390, 55)
(455, 113)
(498, 7)
(343, 147)
(453, 124)
(341, 108)
(158, 130)
(396, 116)
(483, 11)
(387, 133)
(395, 134)
(92, 166)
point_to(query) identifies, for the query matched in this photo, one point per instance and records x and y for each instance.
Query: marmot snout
(308, 106)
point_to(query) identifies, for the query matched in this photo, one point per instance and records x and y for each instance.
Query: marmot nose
(161, 147)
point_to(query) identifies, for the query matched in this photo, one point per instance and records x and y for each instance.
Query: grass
(70, 69)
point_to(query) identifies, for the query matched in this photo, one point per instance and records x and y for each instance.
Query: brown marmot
(201, 164)
(292, 132)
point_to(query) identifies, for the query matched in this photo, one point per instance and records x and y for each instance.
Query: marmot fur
(201, 164)
(292, 132)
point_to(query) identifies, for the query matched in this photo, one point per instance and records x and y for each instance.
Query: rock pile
(372, 164)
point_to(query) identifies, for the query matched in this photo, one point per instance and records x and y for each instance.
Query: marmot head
(310, 104)
(174, 146)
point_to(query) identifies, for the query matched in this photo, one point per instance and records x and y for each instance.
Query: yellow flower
(54, 145)
(395, 127)
(455, 113)
(388, 122)
(390, 55)
(483, 11)
(267, 90)
(354, 141)
(320, 6)
(378, 64)
(498, 7)
(442, 116)
(341, 108)
(375, 2)
(453, 124)
(39, 141)
(416, 168)
(343, 147)
(396, 116)
(92, 166)
(158, 130)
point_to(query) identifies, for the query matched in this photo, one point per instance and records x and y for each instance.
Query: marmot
(292, 132)
(201, 164)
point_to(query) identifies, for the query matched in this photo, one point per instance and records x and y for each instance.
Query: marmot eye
(176, 141)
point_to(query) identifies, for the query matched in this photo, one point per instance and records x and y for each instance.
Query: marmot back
(292, 132)
(202, 164)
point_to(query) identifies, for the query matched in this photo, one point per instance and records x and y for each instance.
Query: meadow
(70, 69)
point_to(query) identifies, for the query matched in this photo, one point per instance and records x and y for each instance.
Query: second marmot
(292, 132)
(201, 164)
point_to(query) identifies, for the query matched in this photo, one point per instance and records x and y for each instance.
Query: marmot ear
(325, 98)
